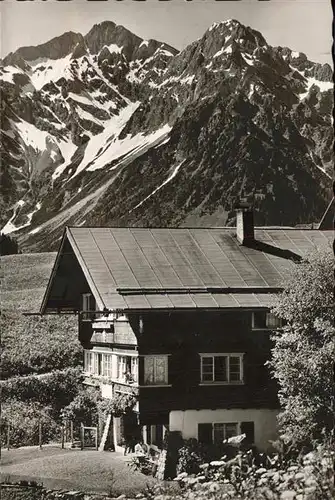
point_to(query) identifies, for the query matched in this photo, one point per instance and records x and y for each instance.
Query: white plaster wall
(264, 420)
(106, 391)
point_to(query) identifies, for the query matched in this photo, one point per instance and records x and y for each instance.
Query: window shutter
(248, 428)
(205, 434)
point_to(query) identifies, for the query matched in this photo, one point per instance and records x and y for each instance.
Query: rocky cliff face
(108, 128)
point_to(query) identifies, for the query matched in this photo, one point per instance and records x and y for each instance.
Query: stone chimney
(244, 223)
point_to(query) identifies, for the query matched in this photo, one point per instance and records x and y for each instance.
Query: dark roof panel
(156, 258)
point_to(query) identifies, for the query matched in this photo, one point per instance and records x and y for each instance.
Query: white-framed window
(88, 305)
(217, 432)
(272, 321)
(107, 365)
(262, 320)
(127, 369)
(224, 368)
(156, 370)
(89, 362)
(222, 431)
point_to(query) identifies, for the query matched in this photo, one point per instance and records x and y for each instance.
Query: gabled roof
(142, 268)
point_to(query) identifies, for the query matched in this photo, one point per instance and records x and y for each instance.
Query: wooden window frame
(228, 356)
(86, 301)
(166, 375)
(266, 326)
(237, 426)
(239, 429)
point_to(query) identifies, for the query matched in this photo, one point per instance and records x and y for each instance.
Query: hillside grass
(32, 344)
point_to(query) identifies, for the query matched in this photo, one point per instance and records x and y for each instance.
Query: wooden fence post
(71, 431)
(97, 438)
(8, 435)
(66, 430)
(40, 434)
(82, 436)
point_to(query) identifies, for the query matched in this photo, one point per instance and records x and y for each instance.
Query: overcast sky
(302, 25)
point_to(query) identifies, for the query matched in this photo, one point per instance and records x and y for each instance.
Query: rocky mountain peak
(108, 128)
(56, 48)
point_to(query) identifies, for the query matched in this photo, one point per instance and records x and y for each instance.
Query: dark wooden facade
(182, 336)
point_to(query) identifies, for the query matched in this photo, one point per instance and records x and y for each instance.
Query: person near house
(139, 448)
(129, 444)
(128, 377)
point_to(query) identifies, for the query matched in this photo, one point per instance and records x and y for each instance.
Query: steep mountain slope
(110, 129)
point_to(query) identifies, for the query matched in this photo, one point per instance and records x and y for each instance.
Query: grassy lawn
(32, 344)
(87, 470)
(24, 279)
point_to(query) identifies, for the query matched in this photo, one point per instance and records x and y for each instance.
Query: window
(262, 320)
(273, 321)
(107, 365)
(217, 432)
(156, 370)
(226, 368)
(224, 431)
(89, 362)
(97, 363)
(127, 369)
(88, 305)
(156, 433)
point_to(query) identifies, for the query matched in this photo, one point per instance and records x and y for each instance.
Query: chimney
(244, 223)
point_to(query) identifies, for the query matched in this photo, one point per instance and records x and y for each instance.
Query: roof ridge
(230, 228)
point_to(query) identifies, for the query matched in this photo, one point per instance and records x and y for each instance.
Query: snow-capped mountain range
(108, 128)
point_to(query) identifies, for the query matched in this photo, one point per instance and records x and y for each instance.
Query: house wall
(264, 421)
(184, 336)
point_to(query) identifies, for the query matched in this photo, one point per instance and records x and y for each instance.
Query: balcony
(102, 338)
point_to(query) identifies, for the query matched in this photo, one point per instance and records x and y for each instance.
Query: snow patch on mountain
(67, 149)
(100, 142)
(295, 55)
(323, 86)
(171, 176)
(131, 145)
(87, 116)
(50, 71)
(8, 73)
(31, 135)
(248, 59)
(113, 48)
(10, 227)
(93, 102)
(220, 52)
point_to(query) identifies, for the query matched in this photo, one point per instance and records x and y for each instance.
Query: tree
(303, 352)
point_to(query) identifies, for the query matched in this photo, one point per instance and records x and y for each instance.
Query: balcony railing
(102, 338)
(94, 379)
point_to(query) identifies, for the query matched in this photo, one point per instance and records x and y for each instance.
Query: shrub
(57, 388)
(118, 405)
(189, 458)
(31, 344)
(24, 418)
(311, 477)
(303, 353)
(83, 408)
